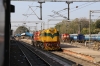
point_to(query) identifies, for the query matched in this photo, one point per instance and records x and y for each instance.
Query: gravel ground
(74, 59)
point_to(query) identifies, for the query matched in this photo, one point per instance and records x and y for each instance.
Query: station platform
(82, 53)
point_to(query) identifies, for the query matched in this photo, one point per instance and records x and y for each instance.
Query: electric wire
(73, 7)
(27, 10)
(70, 8)
(80, 7)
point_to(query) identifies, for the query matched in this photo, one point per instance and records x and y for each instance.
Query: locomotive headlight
(64, 36)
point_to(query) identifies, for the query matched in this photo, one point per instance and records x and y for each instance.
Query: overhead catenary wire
(70, 8)
(27, 12)
(78, 7)
(83, 6)
(33, 11)
(73, 7)
(29, 15)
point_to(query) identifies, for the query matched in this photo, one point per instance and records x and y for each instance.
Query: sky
(22, 7)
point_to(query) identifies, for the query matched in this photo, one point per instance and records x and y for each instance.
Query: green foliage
(97, 30)
(85, 31)
(21, 29)
(97, 24)
(78, 24)
(93, 28)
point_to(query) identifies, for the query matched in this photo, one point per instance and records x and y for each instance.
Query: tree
(85, 30)
(21, 29)
(92, 28)
(97, 24)
(97, 30)
(73, 26)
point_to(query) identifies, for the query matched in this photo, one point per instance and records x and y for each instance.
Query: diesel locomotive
(65, 37)
(47, 39)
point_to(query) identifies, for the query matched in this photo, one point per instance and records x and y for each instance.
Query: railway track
(17, 58)
(55, 58)
(72, 60)
(24, 56)
(32, 58)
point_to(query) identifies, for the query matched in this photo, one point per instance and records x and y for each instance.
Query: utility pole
(90, 26)
(41, 11)
(68, 8)
(90, 12)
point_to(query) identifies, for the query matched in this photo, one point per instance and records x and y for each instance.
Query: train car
(94, 37)
(80, 38)
(73, 37)
(65, 37)
(98, 37)
(26, 35)
(77, 38)
(47, 39)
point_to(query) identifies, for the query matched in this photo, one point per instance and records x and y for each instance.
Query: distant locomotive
(47, 39)
(65, 37)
